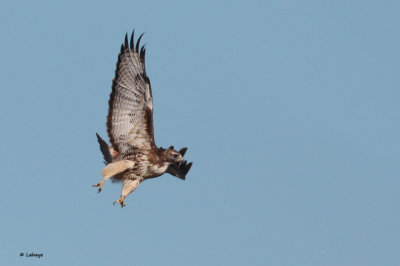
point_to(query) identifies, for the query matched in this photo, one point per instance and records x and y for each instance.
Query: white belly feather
(154, 170)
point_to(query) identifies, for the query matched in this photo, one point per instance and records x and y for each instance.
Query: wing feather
(130, 113)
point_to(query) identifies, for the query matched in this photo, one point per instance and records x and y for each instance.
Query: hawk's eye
(176, 155)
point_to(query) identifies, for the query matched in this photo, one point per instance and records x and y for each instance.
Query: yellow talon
(121, 201)
(100, 185)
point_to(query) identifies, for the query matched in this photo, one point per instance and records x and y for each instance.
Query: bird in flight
(133, 155)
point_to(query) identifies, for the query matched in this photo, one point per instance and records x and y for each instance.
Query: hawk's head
(173, 156)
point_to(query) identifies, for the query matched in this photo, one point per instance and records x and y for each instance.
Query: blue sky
(290, 110)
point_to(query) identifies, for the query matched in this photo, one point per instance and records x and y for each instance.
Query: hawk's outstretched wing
(130, 113)
(179, 170)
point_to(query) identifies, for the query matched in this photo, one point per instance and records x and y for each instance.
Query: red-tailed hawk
(133, 155)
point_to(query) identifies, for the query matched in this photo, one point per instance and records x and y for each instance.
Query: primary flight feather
(133, 156)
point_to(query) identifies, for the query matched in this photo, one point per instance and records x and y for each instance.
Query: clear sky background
(290, 110)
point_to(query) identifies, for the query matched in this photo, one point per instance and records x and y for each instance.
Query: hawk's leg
(128, 186)
(113, 169)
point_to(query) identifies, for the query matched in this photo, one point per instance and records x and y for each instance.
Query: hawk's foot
(121, 200)
(100, 185)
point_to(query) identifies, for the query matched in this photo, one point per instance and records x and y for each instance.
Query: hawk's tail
(104, 150)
